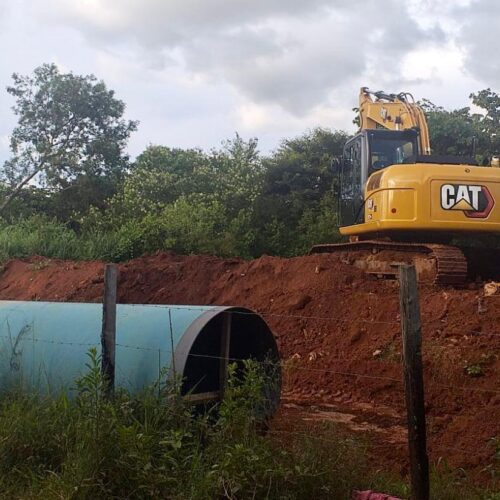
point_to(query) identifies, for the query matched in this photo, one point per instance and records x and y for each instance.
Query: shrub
(37, 235)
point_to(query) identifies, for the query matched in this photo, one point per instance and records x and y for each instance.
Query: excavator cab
(366, 153)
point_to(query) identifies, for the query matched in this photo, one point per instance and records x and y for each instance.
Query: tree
(298, 177)
(489, 122)
(231, 176)
(69, 126)
(160, 175)
(238, 172)
(451, 132)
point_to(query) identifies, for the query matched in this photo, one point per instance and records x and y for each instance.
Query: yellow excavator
(400, 203)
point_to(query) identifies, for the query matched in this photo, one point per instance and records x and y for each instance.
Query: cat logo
(473, 201)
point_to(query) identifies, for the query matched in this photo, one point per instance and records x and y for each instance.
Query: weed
(477, 368)
(155, 446)
(390, 352)
(474, 370)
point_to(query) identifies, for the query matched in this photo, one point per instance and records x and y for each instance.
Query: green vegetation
(70, 128)
(70, 191)
(230, 202)
(156, 446)
(477, 367)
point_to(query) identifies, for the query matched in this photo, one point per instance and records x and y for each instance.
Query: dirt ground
(339, 335)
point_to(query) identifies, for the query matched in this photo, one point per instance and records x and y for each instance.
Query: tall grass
(39, 235)
(179, 231)
(155, 446)
(48, 238)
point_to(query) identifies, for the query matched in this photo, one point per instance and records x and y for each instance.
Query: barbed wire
(348, 374)
(141, 348)
(377, 446)
(338, 321)
(278, 315)
(448, 347)
(283, 363)
(50, 341)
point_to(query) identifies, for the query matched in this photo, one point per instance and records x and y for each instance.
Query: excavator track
(440, 264)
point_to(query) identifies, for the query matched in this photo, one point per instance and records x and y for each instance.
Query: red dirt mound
(338, 332)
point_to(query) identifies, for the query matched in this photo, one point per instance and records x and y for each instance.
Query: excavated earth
(339, 335)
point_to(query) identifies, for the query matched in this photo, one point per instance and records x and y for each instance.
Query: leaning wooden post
(414, 382)
(108, 334)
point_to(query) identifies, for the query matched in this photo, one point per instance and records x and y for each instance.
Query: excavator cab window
(352, 181)
(390, 148)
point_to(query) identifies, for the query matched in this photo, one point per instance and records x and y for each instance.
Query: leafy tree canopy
(68, 126)
(452, 132)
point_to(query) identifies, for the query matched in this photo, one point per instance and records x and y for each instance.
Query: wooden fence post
(108, 334)
(414, 382)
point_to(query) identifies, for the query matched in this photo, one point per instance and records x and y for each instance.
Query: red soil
(338, 332)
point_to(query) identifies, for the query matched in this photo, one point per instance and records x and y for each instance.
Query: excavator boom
(393, 112)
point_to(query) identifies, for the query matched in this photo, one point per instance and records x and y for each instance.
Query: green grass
(39, 235)
(155, 446)
(51, 239)
(176, 228)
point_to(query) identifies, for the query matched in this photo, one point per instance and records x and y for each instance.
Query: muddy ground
(339, 335)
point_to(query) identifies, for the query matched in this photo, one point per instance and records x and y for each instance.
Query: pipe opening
(249, 338)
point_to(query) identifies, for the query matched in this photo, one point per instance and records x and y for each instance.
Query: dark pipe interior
(250, 338)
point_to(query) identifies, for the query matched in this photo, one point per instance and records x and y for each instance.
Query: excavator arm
(393, 112)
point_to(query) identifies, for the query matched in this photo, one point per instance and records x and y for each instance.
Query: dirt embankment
(338, 332)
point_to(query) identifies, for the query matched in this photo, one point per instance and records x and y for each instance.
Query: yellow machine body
(432, 198)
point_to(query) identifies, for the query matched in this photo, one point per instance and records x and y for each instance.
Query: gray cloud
(173, 22)
(286, 52)
(478, 36)
(293, 71)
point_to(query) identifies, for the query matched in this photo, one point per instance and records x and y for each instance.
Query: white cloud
(286, 52)
(195, 71)
(253, 116)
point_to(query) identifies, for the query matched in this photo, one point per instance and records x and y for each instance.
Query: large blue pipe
(44, 345)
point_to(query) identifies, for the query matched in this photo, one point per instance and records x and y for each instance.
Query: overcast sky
(195, 71)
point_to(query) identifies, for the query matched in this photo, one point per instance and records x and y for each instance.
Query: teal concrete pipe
(44, 345)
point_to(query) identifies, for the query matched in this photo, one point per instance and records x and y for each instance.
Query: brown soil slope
(338, 331)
